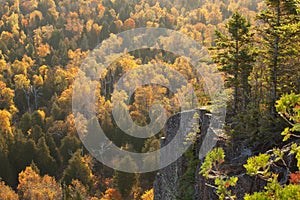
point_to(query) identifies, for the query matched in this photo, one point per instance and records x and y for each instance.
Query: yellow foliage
(74, 24)
(5, 126)
(6, 193)
(76, 188)
(43, 50)
(53, 12)
(47, 31)
(42, 114)
(21, 66)
(101, 10)
(70, 122)
(127, 63)
(32, 186)
(29, 5)
(3, 64)
(13, 109)
(43, 70)
(5, 36)
(89, 24)
(82, 126)
(148, 195)
(38, 80)
(6, 96)
(28, 60)
(21, 81)
(13, 21)
(35, 14)
(97, 28)
(76, 58)
(104, 109)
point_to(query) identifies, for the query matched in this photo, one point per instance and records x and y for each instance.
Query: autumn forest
(255, 45)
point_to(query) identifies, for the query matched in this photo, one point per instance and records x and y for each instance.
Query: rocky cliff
(167, 182)
(181, 180)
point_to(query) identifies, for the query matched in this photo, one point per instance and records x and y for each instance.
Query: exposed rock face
(167, 185)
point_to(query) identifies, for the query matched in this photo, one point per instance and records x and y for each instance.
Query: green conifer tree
(235, 56)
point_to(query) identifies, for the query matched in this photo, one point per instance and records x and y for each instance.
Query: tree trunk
(237, 65)
(275, 63)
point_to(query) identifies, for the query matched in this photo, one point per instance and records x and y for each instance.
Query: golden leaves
(111, 193)
(21, 81)
(43, 50)
(7, 193)
(74, 24)
(38, 80)
(5, 126)
(148, 195)
(32, 186)
(34, 15)
(6, 96)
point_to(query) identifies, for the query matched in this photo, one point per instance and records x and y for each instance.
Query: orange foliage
(119, 24)
(6, 193)
(24, 22)
(112, 194)
(101, 10)
(129, 24)
(295, 178)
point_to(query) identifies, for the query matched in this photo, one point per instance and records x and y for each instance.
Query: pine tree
(21, 152)
(77, 170)
(125, 181)
(25, 123)
(277, 15)
(44, 160)
(54, 152)
(69, 145)
(6, 170)
(235, 56)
